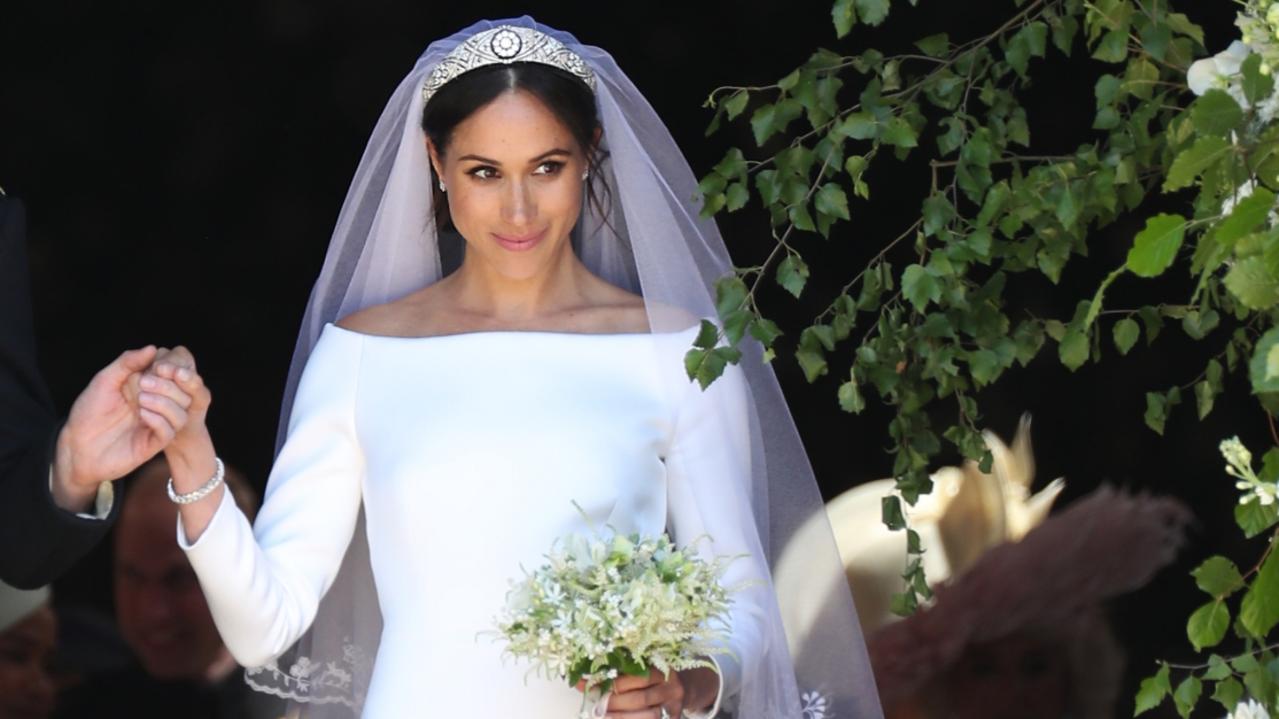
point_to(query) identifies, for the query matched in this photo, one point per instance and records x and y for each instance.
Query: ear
(436, 163)
(595, 139)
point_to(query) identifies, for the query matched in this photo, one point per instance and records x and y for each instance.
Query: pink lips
(519, 244)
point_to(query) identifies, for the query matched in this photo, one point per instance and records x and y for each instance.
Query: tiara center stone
(506, 44)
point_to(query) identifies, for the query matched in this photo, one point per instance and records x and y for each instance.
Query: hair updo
(566, 96)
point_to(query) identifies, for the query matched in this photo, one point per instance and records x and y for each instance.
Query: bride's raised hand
(171, 389)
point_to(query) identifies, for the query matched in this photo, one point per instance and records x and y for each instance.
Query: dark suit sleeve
(38, 540)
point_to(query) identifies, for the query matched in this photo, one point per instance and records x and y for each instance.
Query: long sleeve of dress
(708, 493)
(264, 584)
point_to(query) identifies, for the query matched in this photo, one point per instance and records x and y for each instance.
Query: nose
(519, 204)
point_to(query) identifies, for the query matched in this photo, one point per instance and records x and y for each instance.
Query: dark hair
(565, 95)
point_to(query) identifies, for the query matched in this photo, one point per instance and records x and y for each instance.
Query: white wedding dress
(468, 452)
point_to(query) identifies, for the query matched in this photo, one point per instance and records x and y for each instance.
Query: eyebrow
(539, 158)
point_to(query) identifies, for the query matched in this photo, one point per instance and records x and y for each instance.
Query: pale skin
(512, 171)
(113, 428)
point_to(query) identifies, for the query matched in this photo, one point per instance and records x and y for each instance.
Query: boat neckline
(544, 333)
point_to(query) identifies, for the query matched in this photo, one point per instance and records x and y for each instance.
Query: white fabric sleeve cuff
(102, 502)
(719, 696)
(226, 506)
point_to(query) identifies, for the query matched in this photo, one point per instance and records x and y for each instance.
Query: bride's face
(513, 174)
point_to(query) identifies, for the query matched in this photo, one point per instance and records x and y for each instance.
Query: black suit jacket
(38, 540)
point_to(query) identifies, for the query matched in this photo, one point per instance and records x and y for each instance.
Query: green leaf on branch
(792, 274)
(1073, 350)
(832, 201)
(1215, 113)
(1113, 47)
(737, 196)
(1263, 369)
(1198, 324)
(1260, 609)
(844, 16)
(1157, 407)
(1253, 283)
(898, 133)
(1187, 695)
(1193, 161)
(934, 45)
(919, 287)
(891, 513)
(872, 12)
(1182, 24)
(1227, 693)
(736, 103)
(1153, 690)
(1218, 669)
(1253, 517)
(850, 397)
(1218, 577)
(1246, 216)
(766, 331)
(1257, 86)
(1155, 247)
(1126, 332)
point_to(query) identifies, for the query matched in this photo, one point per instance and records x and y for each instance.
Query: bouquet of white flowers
(606, 606)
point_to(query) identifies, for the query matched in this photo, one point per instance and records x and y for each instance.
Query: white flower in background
(1241, 193)
(1216, 71)
(1249, 710)
(1239, 466)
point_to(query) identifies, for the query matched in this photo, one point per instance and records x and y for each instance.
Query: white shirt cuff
(719, 696)
(102, 502)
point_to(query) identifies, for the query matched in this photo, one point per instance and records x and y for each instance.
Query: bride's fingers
(168, 388)
(158, 425)
(190, 382)
(168, 409)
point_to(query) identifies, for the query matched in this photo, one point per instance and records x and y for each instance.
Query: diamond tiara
(506, 44)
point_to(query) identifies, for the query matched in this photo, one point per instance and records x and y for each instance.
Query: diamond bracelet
(203, 491)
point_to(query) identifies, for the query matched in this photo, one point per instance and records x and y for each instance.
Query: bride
(499, 333)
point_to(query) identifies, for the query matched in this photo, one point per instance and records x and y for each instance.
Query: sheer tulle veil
(812, 661)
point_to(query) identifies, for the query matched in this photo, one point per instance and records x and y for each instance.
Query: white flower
(1249, 710)
(1213, 72)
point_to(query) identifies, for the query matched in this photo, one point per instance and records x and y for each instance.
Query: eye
(483, 172)
(550, 167)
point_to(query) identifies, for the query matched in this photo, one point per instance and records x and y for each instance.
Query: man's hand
(109, 433)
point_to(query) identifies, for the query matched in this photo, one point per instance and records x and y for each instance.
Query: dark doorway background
(183, 165)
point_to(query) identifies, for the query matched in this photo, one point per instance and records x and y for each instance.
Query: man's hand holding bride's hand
(644, 697)
(172, 389)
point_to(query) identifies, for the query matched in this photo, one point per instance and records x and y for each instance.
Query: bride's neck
(482, 290)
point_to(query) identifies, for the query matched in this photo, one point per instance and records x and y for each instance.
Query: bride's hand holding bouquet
(634, 620)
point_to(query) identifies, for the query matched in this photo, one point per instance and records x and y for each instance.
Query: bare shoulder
(398, 318)
(625, 311)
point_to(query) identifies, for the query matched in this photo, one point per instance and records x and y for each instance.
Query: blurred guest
(183, 668)
(55, 481)
(27, 633)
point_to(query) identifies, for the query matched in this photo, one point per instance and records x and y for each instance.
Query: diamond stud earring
(442, 187)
